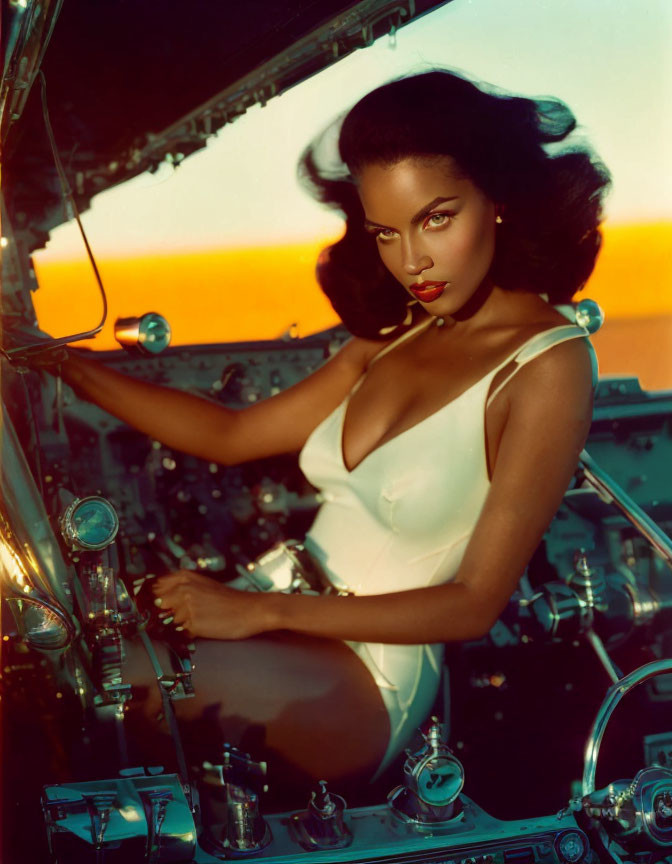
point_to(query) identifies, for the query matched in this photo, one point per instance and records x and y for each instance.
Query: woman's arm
(549, 414)
(195, 425)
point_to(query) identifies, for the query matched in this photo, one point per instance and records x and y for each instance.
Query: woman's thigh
(305, 704)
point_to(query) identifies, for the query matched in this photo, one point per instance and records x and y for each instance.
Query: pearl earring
(498, 219)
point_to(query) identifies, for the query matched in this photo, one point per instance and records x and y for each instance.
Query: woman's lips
(427, 291)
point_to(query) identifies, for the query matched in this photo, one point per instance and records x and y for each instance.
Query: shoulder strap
(534, 347)
(393, 344)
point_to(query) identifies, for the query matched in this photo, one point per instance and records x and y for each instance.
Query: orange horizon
(242, 293)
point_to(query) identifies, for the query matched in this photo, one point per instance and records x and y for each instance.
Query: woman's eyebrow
(419, 216)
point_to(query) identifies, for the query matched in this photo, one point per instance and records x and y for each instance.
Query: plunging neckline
(344, 410)
(346, 402)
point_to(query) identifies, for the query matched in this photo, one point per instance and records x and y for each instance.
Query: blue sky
(610, 60)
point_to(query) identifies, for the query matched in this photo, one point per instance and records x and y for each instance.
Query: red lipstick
(427, 291)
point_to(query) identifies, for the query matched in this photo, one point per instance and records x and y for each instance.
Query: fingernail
(158, 601)
(179, 628)
(168, 620)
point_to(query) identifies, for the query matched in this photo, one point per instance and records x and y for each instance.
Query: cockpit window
(224, 244)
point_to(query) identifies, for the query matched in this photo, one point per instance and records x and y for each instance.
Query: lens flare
(12, 565)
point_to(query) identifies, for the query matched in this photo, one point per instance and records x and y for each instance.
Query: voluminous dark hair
(550, 196)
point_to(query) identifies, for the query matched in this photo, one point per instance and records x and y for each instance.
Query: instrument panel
(178, 511)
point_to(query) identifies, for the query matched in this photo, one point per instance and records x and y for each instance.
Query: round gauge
(440, 780)
(571, 846)
(90, 523)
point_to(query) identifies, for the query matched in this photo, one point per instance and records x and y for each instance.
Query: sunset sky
(189, 243)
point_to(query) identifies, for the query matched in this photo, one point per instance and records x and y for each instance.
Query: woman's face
(435, 230)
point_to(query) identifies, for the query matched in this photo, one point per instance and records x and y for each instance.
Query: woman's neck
(493, 306)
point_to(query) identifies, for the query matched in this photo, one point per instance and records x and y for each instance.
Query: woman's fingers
(203, 607)
(181, 615)
(168, 591)
(165, 583)
(175, 596)
(171, 603)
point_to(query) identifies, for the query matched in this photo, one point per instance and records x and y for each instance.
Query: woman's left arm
(549, 414)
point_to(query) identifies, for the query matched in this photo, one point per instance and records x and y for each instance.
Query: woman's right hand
(33, 348)
(47, 359)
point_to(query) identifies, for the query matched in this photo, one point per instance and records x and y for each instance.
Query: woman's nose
(415, 266)
(415, 261)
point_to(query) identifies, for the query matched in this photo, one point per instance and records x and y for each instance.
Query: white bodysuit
(402, 518)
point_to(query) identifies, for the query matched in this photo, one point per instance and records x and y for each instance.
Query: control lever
(321, 825)
(156, 802)
(242, 829)
(143, 814)
(99, 806)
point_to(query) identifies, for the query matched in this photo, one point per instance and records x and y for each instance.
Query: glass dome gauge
(90, 523)
(439, 780)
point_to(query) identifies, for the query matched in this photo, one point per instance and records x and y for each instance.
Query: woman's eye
(438, 220)
(385, 234)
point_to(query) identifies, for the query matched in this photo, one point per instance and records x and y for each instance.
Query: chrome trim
(612, 493)
(611, 700)
(15, 603)
(29, 523)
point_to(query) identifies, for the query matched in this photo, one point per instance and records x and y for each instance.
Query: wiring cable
(68, 197)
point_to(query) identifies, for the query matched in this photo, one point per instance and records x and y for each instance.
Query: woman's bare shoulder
(562, 372)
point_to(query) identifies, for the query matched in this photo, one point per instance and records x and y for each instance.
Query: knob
(148, 334)
(589, 315)
(322, 824)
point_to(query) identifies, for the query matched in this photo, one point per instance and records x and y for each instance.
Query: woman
(442, 453)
